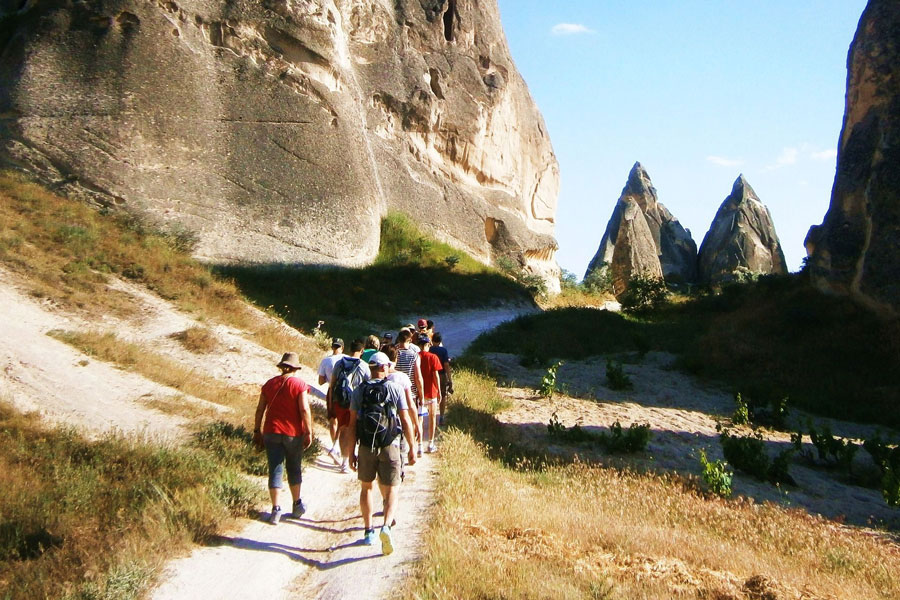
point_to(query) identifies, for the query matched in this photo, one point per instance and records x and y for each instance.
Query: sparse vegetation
(643, 293)
(95, 519)
(748, 454)
(548, 381)
(716, 476)
(835, 451)
(618, 440)
(198, 340)
(552, 529)
(741, 414)
(616, 378)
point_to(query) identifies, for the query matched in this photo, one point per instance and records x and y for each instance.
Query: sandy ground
(683, 415)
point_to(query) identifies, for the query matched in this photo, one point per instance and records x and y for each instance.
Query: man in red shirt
(430, 365)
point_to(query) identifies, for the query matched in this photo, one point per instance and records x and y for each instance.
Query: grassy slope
(768, 340)
(409, 276)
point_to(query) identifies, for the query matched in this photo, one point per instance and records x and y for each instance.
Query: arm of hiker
(413, 410)
(351, 434)
(407, 422)
(417, 373)
(260, 411)
(303, 405)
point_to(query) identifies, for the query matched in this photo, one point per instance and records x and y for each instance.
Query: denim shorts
(283, 452)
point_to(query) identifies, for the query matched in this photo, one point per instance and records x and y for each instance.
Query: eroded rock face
(741, 240)
(282, 130)
(627, 247)
(676, 248)
(856, 250)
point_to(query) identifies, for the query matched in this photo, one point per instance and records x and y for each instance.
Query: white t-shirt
(402, 379)
(326, 367)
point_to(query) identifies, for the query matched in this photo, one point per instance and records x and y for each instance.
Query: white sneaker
(335, 454)
(432, 447)
(345, 468)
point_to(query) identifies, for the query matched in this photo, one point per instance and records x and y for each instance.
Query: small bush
(451, 261)
(644, 293)
(616, 378)
(887, 457)
(548, 381)
(748, 454)
(835, 451)
(741, 414)
(198, 340)
(716, 476)
(618, 440)
(599, 281)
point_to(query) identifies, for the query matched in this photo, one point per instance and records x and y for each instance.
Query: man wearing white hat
(379, 414)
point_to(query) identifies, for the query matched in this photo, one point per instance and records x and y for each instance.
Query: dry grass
(523, 529)
(96, 519)
(197, 339)
(575, 297)
(106, 346)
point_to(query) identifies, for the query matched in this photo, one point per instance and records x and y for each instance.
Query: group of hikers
(385, 401)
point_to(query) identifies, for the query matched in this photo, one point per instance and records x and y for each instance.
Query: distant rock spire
(741, 239)
(674, 250)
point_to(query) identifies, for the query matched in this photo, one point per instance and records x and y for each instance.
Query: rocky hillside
(282, 131)
(855, 250)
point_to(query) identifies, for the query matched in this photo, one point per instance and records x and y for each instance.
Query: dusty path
(461, 328)
(318, 556)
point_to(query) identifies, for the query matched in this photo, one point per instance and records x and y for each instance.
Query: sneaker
(299, 509)
(345, 468)
(369, 539)
(335, 454)
(275, 515)
(420, 451)
(387, 542)
(432, 447)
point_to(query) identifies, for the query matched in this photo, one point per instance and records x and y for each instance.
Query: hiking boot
(299, 509)
(387, 542)
(275, 515)
(369, 539)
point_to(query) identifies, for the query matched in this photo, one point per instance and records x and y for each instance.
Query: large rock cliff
(674, 250)
(282, 130)
(741, 239)
(856, 250)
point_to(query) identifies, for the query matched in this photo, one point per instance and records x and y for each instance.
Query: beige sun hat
(290, 359)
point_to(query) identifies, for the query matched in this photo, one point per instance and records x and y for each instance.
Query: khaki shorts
(383, 462)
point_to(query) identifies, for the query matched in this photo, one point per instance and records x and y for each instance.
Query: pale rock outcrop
(856, 250)
(741, 240)
(282, 130)
(627, 247)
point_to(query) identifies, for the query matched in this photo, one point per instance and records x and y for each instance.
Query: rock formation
(282, 130)
(627, 247)
(856, 250)
(675, 250)
(741, 239)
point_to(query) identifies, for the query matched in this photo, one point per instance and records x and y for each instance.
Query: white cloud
(724, 162)
(824, 156)
(570, 29)
(787, 158)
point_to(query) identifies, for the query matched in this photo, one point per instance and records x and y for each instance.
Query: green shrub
(548, 381)
(741, 414)
(643, 293)
(618, 440)
(887, 457)
(616, 378)
(748, 454)
(599, 281)
(716, 476)
(835, 451)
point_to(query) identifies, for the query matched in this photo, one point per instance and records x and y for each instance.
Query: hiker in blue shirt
(379, 414)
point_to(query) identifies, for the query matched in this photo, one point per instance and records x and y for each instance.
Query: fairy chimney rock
(741, 239)
(856, 250)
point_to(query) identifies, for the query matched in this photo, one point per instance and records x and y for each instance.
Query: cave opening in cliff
(449, 17)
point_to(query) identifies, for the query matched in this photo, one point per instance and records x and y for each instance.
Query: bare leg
(333, 431)
(365, 503)
(273, 494)
(295, 492)
(390, 495)
(432, 421)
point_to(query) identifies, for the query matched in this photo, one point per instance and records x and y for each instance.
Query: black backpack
(349, 373)
(377, 423)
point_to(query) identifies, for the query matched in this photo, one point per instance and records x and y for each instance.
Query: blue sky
(698, 92)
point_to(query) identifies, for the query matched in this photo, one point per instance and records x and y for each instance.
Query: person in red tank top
(431, 393)
(287, 431)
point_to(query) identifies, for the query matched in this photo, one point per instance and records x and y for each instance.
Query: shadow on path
(297, 554)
